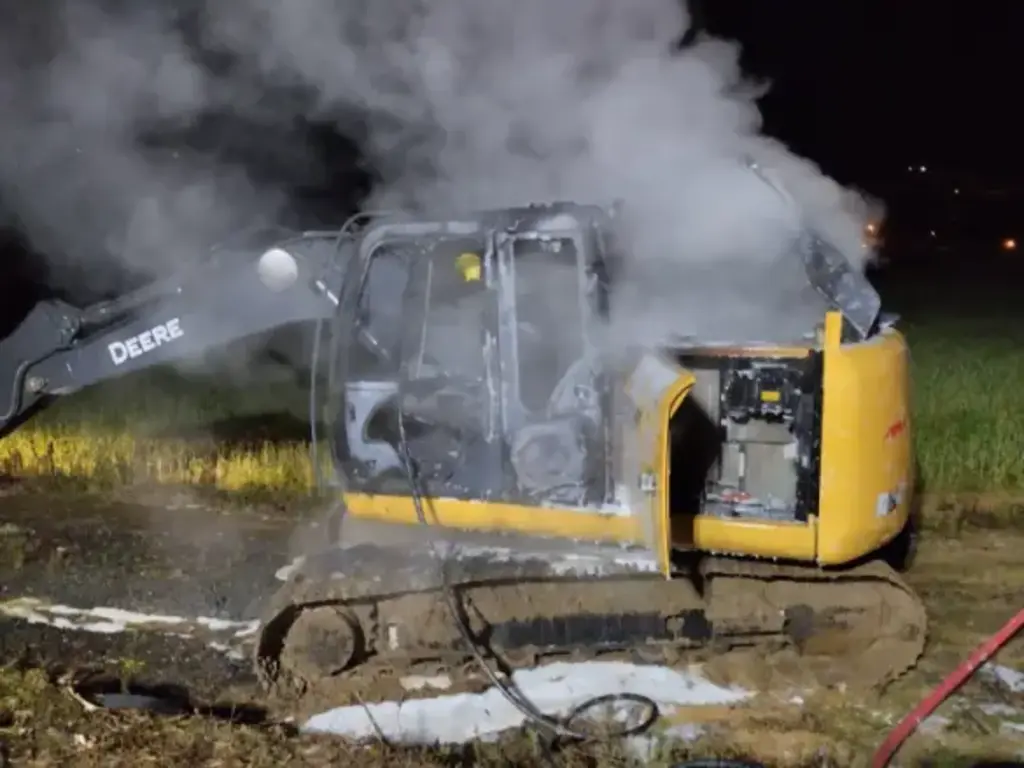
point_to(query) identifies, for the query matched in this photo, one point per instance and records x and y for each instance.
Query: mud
(143, 657)
(191, 560)
(529, 602)
(184, 558)
(59, 555)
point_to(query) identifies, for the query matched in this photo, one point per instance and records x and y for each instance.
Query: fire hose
(945, 689)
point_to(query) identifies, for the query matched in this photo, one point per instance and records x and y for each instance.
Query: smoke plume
(457, 104)
(480, 103)
(83, 84)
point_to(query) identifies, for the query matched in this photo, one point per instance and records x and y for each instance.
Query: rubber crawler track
(370, 611)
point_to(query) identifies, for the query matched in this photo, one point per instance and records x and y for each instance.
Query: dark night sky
(868, 86)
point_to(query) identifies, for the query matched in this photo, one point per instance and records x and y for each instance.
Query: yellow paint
(866, 444)
(660, 510)
(795, 541)
(470, 266)
(833, 330)
(586, 524)
(866, 452)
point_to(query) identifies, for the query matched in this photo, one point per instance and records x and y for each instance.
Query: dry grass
(101, 459)
(42, 725)
(165, 428)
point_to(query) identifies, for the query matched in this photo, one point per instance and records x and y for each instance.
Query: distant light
(923, 169)
(1009, 244)
(956, 191)
(932, 233)
(872, 228)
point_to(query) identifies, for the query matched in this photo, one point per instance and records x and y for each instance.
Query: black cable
(507, 689)
(347, 312)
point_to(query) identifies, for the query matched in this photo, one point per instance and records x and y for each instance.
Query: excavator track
(363, 613)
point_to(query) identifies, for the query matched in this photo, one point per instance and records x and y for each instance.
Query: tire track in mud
(168, 592)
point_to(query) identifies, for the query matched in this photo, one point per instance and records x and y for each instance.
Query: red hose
(909, 724)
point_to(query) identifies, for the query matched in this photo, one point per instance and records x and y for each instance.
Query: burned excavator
(668, 502)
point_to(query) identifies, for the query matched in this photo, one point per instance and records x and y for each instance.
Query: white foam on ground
(554, 689)
(1009, 678)
(108, 620)
(589, 561)
(285, 571)
(419, 682)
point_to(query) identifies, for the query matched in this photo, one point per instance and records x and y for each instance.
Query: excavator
(668, 500)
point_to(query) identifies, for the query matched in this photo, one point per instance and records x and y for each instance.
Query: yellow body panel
(792, 541)
(671, 400)
(866, 470)
(496, 516)
(866, 456)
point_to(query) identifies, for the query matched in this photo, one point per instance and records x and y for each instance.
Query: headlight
(278, 269)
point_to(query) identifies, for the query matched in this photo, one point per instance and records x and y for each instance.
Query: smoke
(85, 84)
(457, 104)
(481, 103)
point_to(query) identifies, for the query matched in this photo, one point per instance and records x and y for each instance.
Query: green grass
(236, 435)
(969, 404)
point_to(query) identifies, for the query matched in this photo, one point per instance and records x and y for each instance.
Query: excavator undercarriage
(362, 613)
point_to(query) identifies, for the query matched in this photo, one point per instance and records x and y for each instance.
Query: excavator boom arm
(58, 349)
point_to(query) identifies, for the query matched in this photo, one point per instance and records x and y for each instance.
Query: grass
(169, 428)
(252, 436)
(42, 724)
(968, 404)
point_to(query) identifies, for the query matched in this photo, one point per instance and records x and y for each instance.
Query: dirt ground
(188, 557)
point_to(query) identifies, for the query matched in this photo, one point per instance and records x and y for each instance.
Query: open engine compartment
(746, 442)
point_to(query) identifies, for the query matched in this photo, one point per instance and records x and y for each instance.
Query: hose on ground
(952, 682)
(532, 713)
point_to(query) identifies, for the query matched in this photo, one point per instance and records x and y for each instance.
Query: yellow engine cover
(867, 465)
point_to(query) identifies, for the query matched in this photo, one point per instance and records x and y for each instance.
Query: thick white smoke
(82, 85)
(485, 103)
(458, 104)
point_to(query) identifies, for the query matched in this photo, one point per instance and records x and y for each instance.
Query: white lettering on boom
(147, 341)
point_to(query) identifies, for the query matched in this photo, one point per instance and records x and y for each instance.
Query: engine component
(760, 391)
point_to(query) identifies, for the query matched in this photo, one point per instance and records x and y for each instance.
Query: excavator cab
(476, 373)
(481, 340)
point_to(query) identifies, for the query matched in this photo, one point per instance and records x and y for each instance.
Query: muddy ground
(185, 557)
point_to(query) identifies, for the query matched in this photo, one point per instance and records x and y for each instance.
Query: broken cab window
(379, 313)
(550, 316)
(447, 308)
